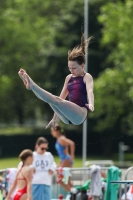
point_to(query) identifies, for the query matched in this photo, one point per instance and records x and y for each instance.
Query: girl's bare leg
(23, 197)
(66, 187)
(66, 163)
(55, 109)
(60, 115)
(69, 110)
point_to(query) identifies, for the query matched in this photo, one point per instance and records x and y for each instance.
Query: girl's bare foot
(22, 79)
(26, 79)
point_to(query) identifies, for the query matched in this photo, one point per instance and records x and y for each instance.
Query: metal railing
(102, 163)
(126, 182)
(78, 178)
(128, 172)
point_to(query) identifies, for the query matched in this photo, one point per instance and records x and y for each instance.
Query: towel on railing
(111, 192)
(67, 174)
(63, 174)
(96, 182)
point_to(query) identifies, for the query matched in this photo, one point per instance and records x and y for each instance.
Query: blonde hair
(78, 53)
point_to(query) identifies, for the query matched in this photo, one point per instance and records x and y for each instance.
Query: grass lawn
(8, 162)
(13, 162)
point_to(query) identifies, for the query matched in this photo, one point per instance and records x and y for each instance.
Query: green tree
(114, 87)
(29, 38)
(36, 36)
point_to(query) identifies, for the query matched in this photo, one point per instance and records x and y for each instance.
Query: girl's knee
(58, 100)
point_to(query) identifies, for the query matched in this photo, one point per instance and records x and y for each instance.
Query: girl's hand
(90, 106)
(51, 123)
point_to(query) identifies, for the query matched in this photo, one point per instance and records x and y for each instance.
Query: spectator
(63, 144)
(44, 168)
(23, 178)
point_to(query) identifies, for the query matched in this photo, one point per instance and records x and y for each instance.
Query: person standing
(44, 166)
(23, 180)
(65, 149)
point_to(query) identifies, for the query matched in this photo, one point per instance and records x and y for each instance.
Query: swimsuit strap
(77, 76)
(61, 144)
(84, 74)
(23, 178)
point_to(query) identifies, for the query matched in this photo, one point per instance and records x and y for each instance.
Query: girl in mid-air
(78, 86)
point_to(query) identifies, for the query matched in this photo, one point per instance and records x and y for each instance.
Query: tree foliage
(30, 38)
(36, 35)
(114, 87)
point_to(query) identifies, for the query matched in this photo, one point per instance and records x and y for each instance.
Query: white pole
(84, 145)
